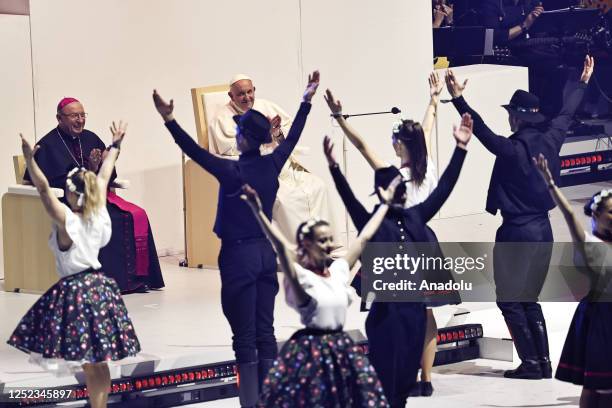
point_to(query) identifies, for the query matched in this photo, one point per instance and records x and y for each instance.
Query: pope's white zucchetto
(239, 77)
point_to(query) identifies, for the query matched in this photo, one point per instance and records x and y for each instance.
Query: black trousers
(520, 270)
(396, 333)
(248, 287)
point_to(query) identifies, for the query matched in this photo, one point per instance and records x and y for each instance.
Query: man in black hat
(517, 192)
(247, 262)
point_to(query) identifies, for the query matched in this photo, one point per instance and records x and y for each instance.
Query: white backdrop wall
(16, 103)
(111, 54)
(374, 56)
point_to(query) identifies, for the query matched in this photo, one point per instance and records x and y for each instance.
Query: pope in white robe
(301, 194)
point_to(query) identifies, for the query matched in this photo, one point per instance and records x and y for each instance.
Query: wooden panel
(199, 111)
(20, 167)
(29, 265)
(201, 194)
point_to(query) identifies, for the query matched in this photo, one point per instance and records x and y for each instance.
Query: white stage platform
(183, 325)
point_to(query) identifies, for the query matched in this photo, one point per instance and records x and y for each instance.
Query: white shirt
(87, 236)
(417, 194)
(599, 260)
(330, 296)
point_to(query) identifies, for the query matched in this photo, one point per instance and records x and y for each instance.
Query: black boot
(248, 387)
(264, 367)
(540, 338)
(525, 347)
(415, 391)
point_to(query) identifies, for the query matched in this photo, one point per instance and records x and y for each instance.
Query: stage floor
(183, 325)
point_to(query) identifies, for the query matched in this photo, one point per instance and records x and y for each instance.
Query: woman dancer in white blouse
(81, 322)
(320, 365)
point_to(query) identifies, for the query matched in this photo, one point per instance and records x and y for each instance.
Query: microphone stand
(393, 110)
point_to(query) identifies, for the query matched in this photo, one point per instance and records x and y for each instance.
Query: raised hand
(435, 86)
(386, 196)
(334, 104)
(531, 18)
(311, 88)
(95, 158)
(455, 88)
(118, 132)
(251, 197)
(26, 148)
(328, 148)
(463, 133)
(165, 109)
(587, 70)
(542, 165)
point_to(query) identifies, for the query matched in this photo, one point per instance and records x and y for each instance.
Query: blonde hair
(86, 183)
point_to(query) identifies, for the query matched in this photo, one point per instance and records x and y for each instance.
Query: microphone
(394, 110)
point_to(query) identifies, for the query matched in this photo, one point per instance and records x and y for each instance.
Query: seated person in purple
(130, 257)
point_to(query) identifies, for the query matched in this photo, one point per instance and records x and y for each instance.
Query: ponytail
(85, 185)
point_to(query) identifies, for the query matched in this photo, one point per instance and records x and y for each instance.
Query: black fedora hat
(384, 176)
(254, 126)
(525, 106)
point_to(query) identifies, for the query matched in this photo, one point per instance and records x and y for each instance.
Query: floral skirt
(317, 368)
(81, 319)
(586, 358)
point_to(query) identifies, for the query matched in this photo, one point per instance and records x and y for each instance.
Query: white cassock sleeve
(223, 134)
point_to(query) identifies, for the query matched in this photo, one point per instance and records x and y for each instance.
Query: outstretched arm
(355, 138)
(560, 124)
(354, 251)
(576, 229)
(278, 241)
(284, 149)
(208, 161)
(435, 88)
(498, 145)
(438, 197)
(52, 205)
(359, 215)
(108, 165)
